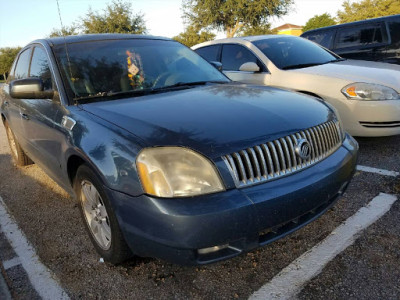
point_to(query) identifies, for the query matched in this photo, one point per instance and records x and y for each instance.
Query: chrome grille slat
(248, 166)
(264, 169)
(278, 158)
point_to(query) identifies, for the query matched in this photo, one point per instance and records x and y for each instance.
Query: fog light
(212, 249)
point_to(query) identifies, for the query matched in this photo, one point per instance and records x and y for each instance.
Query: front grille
(278, 158)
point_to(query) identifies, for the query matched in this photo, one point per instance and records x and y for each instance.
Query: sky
(22, 21)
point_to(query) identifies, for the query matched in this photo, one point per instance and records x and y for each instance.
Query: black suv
(374, 39)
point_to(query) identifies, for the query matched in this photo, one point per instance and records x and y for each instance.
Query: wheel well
(72, 166)
(310, 94)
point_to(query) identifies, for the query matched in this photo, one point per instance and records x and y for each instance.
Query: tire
(99, 218)
(18, 154)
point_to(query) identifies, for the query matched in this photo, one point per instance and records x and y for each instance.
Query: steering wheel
(161, 79)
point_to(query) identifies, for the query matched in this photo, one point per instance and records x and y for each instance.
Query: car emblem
(303, 149)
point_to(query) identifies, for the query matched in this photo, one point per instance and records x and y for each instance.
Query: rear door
(11, 106)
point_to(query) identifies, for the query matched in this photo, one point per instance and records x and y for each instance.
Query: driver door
(233, 56)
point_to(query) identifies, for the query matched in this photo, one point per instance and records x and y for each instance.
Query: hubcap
(13, 145)
(96, 214)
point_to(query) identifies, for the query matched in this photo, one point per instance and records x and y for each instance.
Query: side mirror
(249, 67)
(216, 65)
(29, 88)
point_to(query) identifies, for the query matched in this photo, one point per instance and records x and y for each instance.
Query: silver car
(366, 94)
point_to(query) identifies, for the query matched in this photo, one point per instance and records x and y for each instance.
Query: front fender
(110, 151)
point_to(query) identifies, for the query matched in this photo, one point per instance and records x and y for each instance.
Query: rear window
(324, 38)
(368, 34)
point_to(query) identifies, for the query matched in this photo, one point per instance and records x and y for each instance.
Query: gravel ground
(51, 221)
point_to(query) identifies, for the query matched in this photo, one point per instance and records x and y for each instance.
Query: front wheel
(99, 217)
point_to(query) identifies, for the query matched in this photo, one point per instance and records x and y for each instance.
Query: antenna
(65, 42)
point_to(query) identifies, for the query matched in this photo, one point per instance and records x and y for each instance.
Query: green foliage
(256, 30)
(319, 21)
(193, 36)
(367, 9)
(116, 18)
(7, 56)
(71, 30)
(233, 15)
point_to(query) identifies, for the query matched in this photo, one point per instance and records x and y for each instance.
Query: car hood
(358, 71)
(215, 119)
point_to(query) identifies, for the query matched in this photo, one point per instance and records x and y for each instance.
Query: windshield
(109, 67)
(293, 52)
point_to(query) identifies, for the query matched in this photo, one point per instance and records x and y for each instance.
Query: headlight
(369, 91)
(176, 172)
(341, 128)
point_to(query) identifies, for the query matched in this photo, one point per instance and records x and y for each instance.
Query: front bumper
(370, 118)
(237, 219)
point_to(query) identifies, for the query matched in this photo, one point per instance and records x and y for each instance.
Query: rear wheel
(99, 217)
(18, 154)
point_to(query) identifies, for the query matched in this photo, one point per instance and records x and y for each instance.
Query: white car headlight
(177, 172)
(369, 91)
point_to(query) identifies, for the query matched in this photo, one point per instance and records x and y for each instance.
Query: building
(290, 29)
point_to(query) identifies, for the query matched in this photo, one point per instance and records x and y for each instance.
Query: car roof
(244, 39)
(380, 19)
(96, 37)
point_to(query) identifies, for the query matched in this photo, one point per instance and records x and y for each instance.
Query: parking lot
(365, 269)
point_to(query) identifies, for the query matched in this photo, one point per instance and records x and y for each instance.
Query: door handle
(24, 116)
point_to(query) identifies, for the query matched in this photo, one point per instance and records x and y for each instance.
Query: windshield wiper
(187, 84)
(137, 93)
(111, 95)
(336, 60)
(299, 66)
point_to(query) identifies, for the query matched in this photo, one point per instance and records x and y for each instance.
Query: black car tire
(18, 154)
(117, 251)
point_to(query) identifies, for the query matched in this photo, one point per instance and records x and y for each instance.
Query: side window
(233, 56)
(324, 38)
(11, 74)
(21, 70)
(209, 53)
(394, 29)
(360, 36)
(40, 68)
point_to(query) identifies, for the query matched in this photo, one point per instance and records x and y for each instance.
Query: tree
(116, 18)
(367, 9)
(193, 35)
(7, 56)
(232, 15)
(319, 21)
(256, 30)
(71, 30)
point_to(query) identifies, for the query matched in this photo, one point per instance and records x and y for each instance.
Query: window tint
(233, 56)
(394, 29)
(323, 38)
(99, 68)
(360, 36)
(289, 52)
(40, 67)
(209, 53)
(21, 71)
